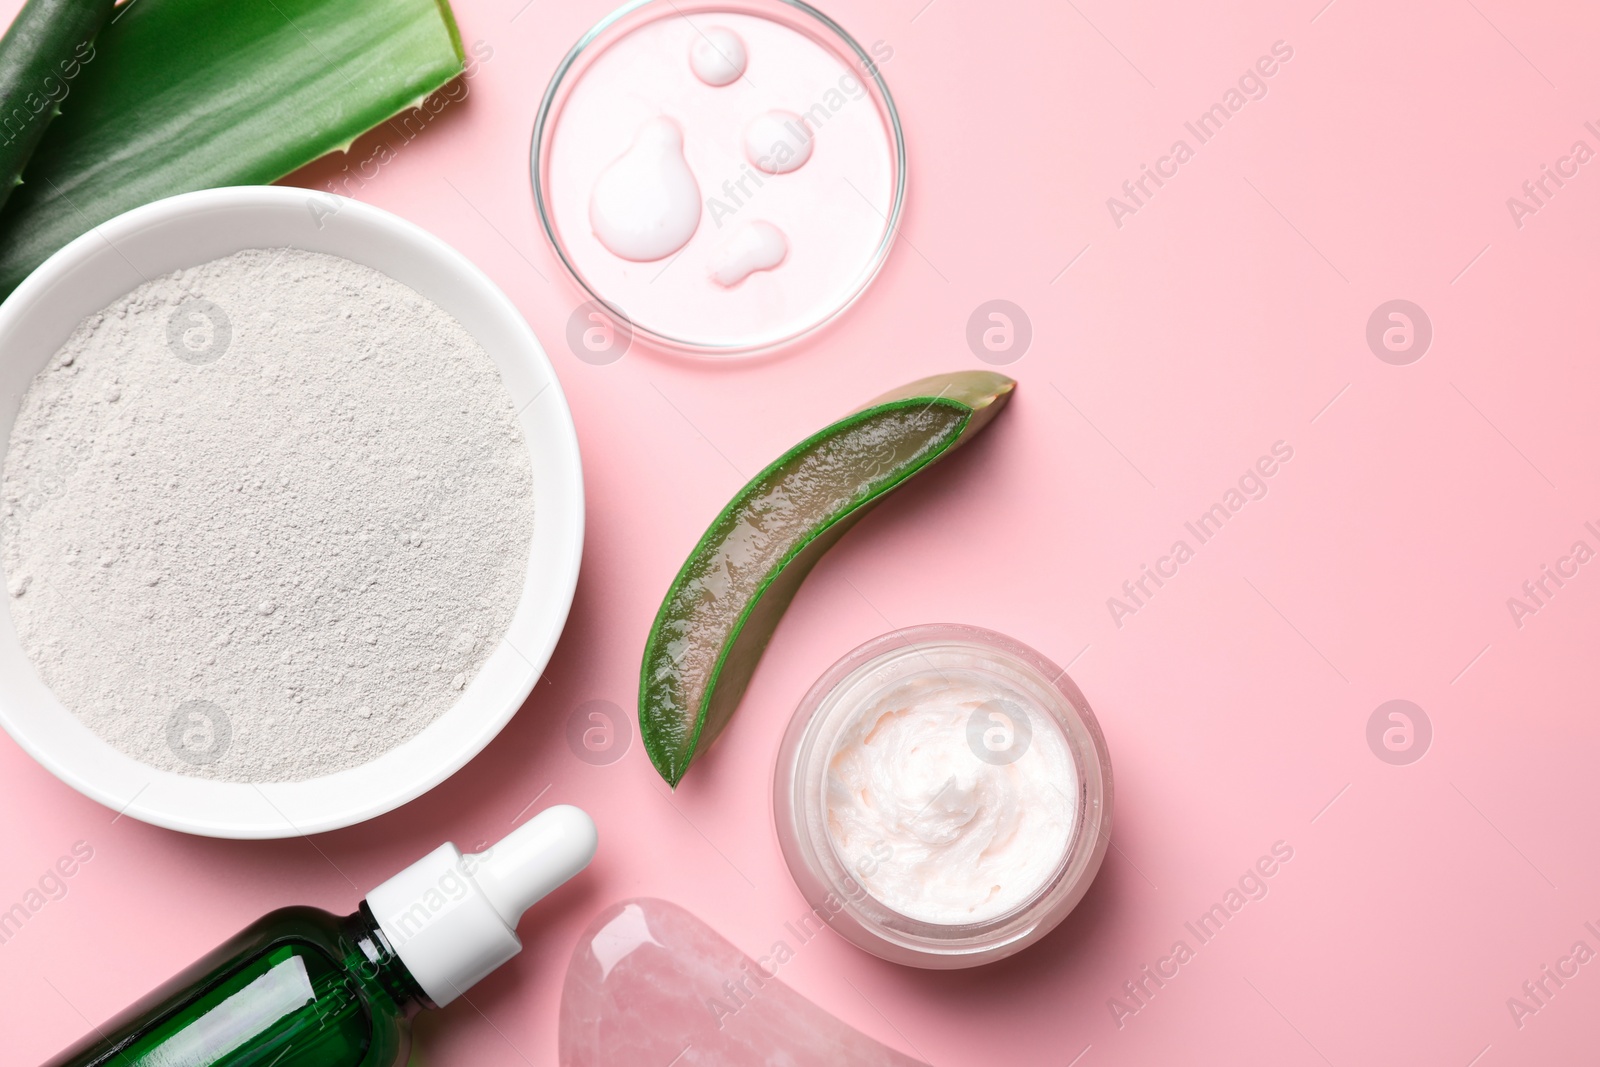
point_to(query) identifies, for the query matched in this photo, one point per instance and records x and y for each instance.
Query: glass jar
(1016, 746)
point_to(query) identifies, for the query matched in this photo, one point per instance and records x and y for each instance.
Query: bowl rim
(367, 793)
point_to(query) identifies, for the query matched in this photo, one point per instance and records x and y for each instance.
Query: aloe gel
(305, 988)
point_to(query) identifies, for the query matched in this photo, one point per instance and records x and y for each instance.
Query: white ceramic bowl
(191, 229)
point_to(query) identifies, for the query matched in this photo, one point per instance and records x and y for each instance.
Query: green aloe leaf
(43, 51)
(726, 601)
(194, 94)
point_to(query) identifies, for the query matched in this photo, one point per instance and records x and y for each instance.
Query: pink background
(1168, 354)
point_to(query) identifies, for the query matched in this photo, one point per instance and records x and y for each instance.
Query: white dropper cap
(452, 918)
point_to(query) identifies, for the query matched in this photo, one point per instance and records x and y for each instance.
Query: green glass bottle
(305, 988)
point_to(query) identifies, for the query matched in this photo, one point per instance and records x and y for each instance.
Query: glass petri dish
(837, 211)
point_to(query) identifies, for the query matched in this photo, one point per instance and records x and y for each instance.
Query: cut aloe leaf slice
(727, 599)
(194, 94)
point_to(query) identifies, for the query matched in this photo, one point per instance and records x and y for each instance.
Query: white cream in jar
(949, 802)
(943, 796)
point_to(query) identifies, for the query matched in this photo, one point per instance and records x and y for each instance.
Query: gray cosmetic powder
(264, 519)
